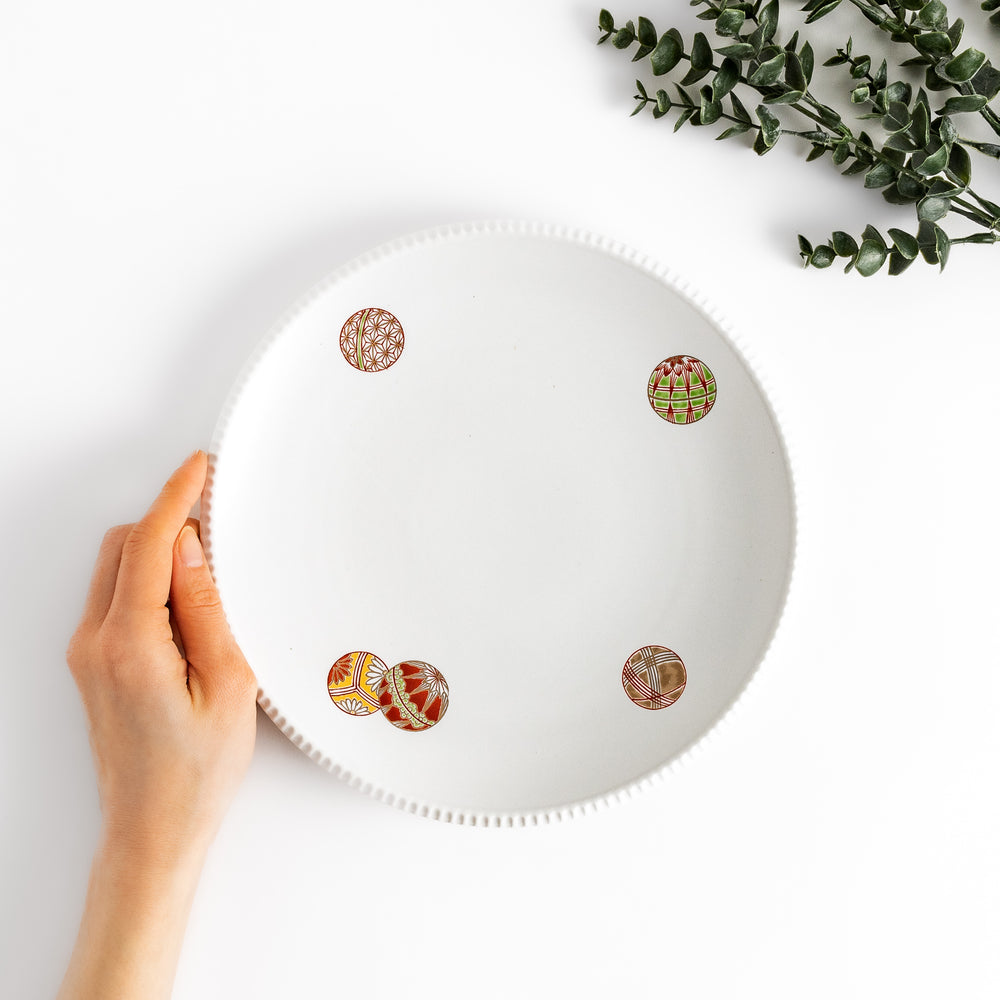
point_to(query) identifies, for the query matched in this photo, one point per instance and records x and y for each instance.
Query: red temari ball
(413, 695)
(372, 339)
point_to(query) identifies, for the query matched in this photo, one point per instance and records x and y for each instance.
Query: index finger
(148, 553)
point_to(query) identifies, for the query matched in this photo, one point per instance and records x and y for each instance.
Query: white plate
(504, 503)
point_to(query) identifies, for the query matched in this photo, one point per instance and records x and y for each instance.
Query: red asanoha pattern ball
(372, 339)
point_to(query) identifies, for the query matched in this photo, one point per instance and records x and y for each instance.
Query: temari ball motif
(372, 340)
(681, 389)
(353, 683)
(654, 677)
(413, 695)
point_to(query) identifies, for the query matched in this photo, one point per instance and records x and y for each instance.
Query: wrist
(143, 856)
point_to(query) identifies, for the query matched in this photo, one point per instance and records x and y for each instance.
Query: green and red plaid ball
(681, 389)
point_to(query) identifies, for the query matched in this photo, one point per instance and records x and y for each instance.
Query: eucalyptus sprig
(920, 157)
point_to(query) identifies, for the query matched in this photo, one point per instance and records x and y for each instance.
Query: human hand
(171, 704)
(169, 696)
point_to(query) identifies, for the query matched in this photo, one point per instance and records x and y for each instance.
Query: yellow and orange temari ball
(353, 683)
(413, 695)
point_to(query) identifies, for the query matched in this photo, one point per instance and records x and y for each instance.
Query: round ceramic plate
(502, 521)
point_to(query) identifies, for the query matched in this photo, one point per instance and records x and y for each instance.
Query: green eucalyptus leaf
(935, 44)
(760, 147)
(768, 19)
(933, 208)
(807, 60)
(841, 152)
(662, 102)
(942, 244)
(905, 243)
(871, 233)
(822, 10)
(960, 163)
(623, 38)
(711, 110)
(667, 54)
(861, 67)
(844, 245)
(646, 33)
(641, 89)
(693, 76)
(795, 77)
(933, 15)
(805, 246)
(933, 81)
(987, 82)
(785, 97)
(730, 22)
(933, 163)
(880, 175)
(963, 104)
(871, 256)
(770, 127)
(815, 153)
(894, 196)
(955, 32)
(920, 124)
(822, 256)
(910, 187)
(946, 130)
(900, 141)
(768, 72)
(683, 117)
(897, 117)
(739, 50)
(738, 129)
(927, 241)
(726, 78)
(964, 66)
(898, 263)
(900, 91)
(701, 53)
(857, 167)
(739, 109)
(860, 94)
(605, 21)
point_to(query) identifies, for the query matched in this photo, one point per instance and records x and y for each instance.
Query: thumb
(214, 660)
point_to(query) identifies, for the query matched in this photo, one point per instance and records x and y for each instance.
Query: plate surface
(484, 486)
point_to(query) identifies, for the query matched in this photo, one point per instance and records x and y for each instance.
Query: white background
(171, 178)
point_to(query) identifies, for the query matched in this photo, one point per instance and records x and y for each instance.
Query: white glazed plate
(503, 502)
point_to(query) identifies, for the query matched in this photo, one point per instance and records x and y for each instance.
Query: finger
(147, 555)
(215, 663)
(102, 583)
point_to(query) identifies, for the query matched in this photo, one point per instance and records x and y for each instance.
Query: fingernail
(189, 547)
